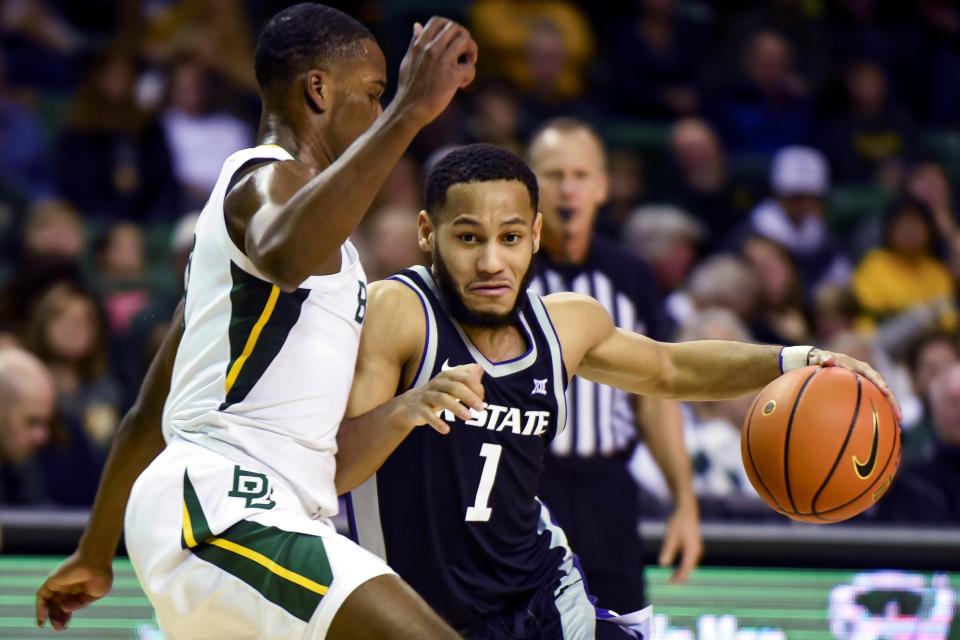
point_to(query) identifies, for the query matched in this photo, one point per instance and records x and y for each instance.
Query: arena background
(114, 115)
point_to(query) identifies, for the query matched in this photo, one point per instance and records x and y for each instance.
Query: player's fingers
(689, 559)
(442, 401)
(59, 619)
(461, 392)
(417, 30)
(429, 31)
(438, 42)
(432, 419)
(668, 551)
(41, 609)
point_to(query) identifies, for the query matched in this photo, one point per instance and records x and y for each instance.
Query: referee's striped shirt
(600, 419)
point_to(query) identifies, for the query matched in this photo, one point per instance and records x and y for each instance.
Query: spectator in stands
(24, 164)
(112, 158)
(834, 310)
(121, 272)
(26, 411)
(388, 242)
(701, 180)
(928, 356)
(51, 250)
(627, 187)
(495, 117)
(722, 280)
(54, 229)
(67, 332)
(768, 109)
(941, 469)
(779, 317)
(528, 42)
(904, 271)
(42, 47)
(872, 139)
(201, 135)
(794, 216)
(928, 183)
(664, 55)
(668, 239)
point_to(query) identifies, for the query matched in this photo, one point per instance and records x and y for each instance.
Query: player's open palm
(441, 59)
(72, 586)
(455, 390)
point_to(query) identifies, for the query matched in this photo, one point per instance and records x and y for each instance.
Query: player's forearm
(366, 441)
(661, 422)
(717, 369)
(138, 440)
(300, 239)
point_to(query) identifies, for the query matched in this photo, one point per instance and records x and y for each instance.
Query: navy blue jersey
(457, 515)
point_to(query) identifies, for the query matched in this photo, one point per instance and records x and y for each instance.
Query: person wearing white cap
(794, 216)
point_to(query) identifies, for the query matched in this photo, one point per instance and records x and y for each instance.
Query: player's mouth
(566, 214)
(490, 289)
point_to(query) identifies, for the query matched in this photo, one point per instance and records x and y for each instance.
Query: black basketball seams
(753, 465)
(786, 444)
(846, 441)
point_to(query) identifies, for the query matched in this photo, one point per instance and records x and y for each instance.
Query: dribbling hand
(831, 359)
(441, 58)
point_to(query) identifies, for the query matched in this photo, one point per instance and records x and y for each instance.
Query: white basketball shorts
(227, 551)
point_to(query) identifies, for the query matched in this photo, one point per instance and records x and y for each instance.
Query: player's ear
(317, 90)
(424, 232)
(604, 188)
(537, 226)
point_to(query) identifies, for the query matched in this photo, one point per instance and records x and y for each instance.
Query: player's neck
(307, 148)
(498, 344)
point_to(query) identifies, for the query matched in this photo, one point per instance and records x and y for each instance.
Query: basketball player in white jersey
(228, 526)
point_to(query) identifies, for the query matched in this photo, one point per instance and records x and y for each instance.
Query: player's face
(573, 184)
(482, 245)
(357, 85)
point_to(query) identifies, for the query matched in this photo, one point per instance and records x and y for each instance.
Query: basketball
(821, 444)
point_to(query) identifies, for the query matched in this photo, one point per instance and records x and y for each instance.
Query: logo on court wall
(254, 487)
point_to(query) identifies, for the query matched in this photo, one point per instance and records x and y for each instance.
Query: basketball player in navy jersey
(454, 508)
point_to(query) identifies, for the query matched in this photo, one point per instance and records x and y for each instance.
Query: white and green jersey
(262, 376)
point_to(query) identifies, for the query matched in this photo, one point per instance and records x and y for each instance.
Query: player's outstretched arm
(376, 421)
(86, 575)
(293, 219)
(699, 370)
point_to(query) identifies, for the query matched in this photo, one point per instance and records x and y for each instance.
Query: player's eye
(511, 238)
(468, 237)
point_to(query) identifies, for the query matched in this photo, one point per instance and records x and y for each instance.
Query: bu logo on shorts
(253, 486)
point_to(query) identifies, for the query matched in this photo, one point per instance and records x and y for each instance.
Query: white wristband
(794, 357)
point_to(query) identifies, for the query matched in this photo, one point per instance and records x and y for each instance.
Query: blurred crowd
(787, 168)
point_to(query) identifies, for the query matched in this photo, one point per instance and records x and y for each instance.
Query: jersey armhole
(235, 253)
(428, 352)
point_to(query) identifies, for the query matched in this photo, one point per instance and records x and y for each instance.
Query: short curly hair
(476, 163)
(301, 37)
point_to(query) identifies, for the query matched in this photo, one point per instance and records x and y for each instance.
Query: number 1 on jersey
(480, 512)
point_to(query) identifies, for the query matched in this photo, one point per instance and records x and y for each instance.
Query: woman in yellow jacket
(905, 271)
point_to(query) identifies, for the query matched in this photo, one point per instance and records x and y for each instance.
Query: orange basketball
(821, 444)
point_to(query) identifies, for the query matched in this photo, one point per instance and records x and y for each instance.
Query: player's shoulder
(392, 294)
(581, 323)
(576, 313)
(394, 322)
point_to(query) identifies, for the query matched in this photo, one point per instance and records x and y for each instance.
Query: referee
(586, 483)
